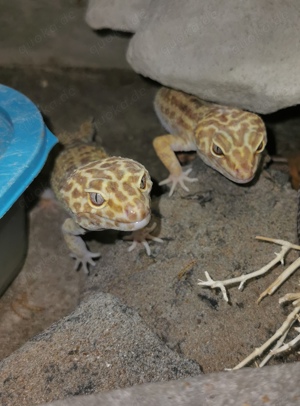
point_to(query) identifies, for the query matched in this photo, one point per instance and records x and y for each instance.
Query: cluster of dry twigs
(282, 332)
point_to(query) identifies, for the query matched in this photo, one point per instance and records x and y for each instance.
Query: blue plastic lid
(25, 143)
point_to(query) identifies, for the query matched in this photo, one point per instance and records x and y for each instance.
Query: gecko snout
(245, 173)
(137, 211)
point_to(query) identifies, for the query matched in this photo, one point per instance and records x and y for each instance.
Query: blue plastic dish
(25, 143)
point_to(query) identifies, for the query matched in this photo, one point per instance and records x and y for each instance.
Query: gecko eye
(260, 147)
(96, 199)
(143, 182)
(216, 150)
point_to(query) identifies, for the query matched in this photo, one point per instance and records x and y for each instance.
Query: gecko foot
(174, 180)
(140, 237)
(84, 259)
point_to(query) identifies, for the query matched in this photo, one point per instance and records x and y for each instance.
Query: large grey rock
(276, 386)
(100, 346)
(244, 54)
(121, 15)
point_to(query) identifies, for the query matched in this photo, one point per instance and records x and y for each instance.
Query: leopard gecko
(228, 139)
(98, 191)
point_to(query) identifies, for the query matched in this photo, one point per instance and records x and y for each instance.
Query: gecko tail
(87, 130)
(85, 134)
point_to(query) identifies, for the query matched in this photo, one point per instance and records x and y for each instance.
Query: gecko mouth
(241, 181)
(235, 179)
(135, 225)
(232, 175)
(101, 223)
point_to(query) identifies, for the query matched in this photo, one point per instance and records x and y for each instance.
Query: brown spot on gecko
(119, 174)
(133, 179)
(112, 187)
(68, 187)
(208, 132)
(107, 175)
(110, 214)
(136, 202)
(86, 208)
(105, 165)
(129, 189)
(76, 206)
(185, 110)
(168, 112)
(90, 171)
(85, 159)
(112, 160)
(128, 168)
(183, 124)
(240, 132)
(81, 179)
(120, 196)
(116, 207)
(223, 119)
(76, 193)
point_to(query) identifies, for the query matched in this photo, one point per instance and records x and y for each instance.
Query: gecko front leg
(72, 232)
(165, 147)
(141, 236)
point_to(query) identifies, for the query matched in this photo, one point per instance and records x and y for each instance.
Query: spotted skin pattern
(99, 192)
(227, 139)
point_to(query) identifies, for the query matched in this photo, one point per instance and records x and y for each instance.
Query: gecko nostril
(137, 211)
(131, 212)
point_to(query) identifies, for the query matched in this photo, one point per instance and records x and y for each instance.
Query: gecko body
(227, 139)
(99, 192)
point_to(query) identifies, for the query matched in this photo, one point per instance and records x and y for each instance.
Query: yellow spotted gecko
(99, 192)
(228, 139)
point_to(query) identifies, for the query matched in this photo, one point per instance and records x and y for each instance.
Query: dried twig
(286, 247)
(288, 345)
(276, 346)
(283, 330)
(186, 269)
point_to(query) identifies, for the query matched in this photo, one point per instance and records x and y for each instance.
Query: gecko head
(232, 141)
(112, 193)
